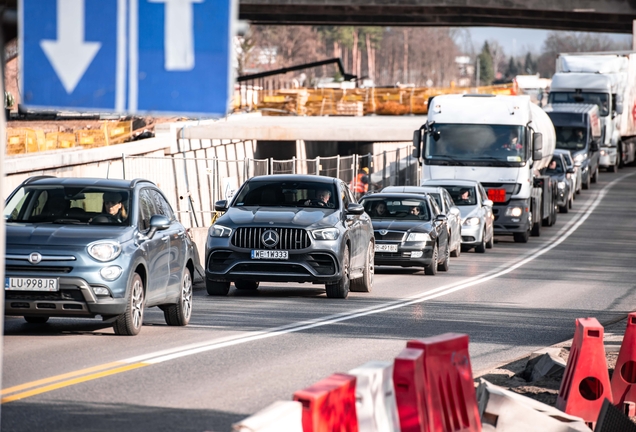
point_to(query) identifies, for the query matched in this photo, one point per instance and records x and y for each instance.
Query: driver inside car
(322, 199)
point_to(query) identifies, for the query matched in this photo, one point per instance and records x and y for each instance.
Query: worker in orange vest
(360, 184)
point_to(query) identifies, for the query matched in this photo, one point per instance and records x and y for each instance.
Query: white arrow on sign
(70, 55)
(178, 34)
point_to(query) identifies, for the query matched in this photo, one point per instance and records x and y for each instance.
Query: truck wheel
(365, 283)
(595, 176)
(217, 288)
(521, 237)
(431, 269)
(340, 289)
(619, 156)
(536, 229)
(564, 208)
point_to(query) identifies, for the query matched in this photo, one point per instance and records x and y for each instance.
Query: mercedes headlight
(325, 234)
(104, 250)
(514, 211)
(418, 237)
(220, 231)
(471, 221)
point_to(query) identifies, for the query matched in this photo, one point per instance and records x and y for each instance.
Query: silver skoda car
(82, 247)
(291, 228)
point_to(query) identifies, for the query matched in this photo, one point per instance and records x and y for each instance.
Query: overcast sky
(519, 41)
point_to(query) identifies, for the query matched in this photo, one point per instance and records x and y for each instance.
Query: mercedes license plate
(386, 247)
(270, 254)
(31, 284)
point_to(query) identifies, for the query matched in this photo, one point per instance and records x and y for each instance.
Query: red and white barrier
(279, 416)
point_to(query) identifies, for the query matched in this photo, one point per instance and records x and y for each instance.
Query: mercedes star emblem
(270, 238)
(35, 258)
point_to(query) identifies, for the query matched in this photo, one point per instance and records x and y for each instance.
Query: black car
(559, 171)
(291, 228)
(83, 247)
(409, 231)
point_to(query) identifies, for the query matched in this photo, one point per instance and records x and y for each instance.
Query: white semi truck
(609, 81)
(504, 142)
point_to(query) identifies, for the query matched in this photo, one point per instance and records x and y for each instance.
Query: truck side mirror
(537, 146)
(594, 146)
(417, 143)
(619, 104)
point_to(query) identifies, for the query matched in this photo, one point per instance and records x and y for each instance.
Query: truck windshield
(599, 99)
(498, 145)
(570, 138)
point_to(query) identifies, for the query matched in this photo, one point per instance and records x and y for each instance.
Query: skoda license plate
(270, 254)
(31, 284)
(386, 247)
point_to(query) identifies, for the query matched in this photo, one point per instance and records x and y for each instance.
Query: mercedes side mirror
(220, 206)
(158, 223)
(417, 143)
(355, 209)
(537, 146)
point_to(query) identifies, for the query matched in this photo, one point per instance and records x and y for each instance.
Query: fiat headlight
(104, 250)
(418, 237)
(220, 231)
(471, 221)
(325, 234)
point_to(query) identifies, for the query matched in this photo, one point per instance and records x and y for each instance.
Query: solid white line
(560, 237)
(133, 56)
(120, 74)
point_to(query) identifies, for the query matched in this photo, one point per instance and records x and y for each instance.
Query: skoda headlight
(561, 185)
(104, 250)
(514, 211)
(220, 231)
(325, 234)
(418, 237)
(471, 221)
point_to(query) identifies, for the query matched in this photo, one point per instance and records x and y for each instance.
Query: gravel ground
(546, 390)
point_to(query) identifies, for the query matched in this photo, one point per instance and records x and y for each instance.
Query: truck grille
(288, 238)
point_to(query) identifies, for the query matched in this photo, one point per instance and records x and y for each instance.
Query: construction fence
(351, 102)
(193, 185)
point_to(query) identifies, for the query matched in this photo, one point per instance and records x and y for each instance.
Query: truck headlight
(471, 221)
(325, 234)
(579, 158)
(561, 185)
(418, 237)
(514, 211)
(603, 152)
(104, 250)
(220, 231)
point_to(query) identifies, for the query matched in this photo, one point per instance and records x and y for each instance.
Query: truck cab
(578, 129)
(501, 141)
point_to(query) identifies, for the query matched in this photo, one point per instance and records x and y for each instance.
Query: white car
(476, 211)
(446, 207)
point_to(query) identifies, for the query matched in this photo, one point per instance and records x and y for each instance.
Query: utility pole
(477, 71)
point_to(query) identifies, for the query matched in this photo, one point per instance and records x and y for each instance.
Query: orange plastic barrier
(408, 380)
(450, 401)
(330, 405)
(624, 376)
(586, 380)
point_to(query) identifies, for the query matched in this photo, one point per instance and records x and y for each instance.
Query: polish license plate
(31, 284)
(386, 248)
(270, 254)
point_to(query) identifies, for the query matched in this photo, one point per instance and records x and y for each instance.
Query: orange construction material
(450, 401)
(586, 379)
(408, 380)
(624, 377)
(330, 405)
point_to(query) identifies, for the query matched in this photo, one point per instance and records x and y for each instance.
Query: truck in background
(504, 142)
(608, 80)
(578, 129)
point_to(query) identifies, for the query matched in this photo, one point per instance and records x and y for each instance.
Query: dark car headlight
(220, 231)
(325, 234)
(104, 250)
(418, 237)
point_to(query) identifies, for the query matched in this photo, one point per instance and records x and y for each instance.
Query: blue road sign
(127, 56)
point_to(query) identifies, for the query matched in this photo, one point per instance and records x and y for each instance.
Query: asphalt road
(242, 352)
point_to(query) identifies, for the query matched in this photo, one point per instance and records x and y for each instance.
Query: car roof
(84, 181)
(412, 189)
(562, 151)
(395, 195)
(449, 182)
(294, 177)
